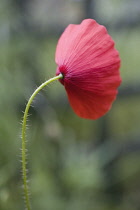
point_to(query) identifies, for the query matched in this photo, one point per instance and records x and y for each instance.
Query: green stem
(24, 159)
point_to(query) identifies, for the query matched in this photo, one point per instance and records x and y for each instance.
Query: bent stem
(24, 159)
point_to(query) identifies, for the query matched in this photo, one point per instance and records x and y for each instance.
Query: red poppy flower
(86, 57)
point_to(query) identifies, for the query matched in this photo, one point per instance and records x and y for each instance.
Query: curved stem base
(24, 123)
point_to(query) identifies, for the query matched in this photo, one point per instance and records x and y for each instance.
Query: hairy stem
(24, 159)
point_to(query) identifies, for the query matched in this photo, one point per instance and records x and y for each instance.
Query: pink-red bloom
(86, 57)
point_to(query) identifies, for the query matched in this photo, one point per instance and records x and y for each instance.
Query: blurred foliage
(74, 164)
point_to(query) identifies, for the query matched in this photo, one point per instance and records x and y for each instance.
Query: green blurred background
(74, 164)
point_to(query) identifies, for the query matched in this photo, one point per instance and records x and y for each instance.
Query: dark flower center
(63, 70)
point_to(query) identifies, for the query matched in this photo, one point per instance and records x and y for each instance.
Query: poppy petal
(86, 57)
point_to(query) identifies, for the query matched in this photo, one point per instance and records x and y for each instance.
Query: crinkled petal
(90, 101)
(86, 56)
